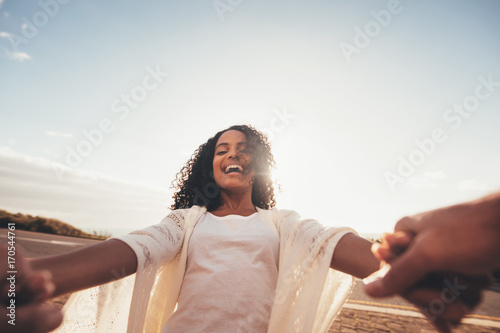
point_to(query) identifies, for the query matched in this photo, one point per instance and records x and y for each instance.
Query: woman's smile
(231, 163)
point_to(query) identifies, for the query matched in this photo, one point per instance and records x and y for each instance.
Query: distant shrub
(46, 225)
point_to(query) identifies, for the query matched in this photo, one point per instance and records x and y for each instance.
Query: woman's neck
(238, 204)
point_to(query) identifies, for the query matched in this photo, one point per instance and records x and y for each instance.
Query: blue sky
(343, 89)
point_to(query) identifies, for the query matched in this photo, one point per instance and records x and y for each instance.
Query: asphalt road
(37, 244)
(40, 244)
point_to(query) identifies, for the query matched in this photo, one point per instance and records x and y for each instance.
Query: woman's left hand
(443, 297)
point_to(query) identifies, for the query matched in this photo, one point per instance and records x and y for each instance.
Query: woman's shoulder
(181, 214)
(279, 214)
(176, 215)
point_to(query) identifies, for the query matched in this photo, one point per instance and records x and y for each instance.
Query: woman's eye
(221, 152)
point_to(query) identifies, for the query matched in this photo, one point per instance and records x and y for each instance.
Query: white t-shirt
(231, 275)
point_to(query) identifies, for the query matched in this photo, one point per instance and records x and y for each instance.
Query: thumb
(395, 277)
(38, 318)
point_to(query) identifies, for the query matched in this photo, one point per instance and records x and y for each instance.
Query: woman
(225, 257)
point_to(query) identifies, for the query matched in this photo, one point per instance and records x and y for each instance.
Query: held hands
(440, 260)
(443, 297)
(463, 238)
(22, 294)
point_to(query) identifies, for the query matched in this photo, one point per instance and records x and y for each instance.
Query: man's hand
(441, 260)
(463, 238)
(443, 297)
(30, 289)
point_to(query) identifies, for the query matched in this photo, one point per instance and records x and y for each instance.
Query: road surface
(40, 244)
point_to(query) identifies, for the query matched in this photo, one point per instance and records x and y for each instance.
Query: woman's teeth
(233, 168)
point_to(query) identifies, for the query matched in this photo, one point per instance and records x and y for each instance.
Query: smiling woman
(232, 169)
(241, 145)
(224, 260)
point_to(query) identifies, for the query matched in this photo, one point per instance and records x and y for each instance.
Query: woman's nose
(234, 154)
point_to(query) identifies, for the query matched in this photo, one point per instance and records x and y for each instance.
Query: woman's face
(231, 163)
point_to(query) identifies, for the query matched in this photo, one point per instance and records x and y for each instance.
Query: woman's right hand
(23, 294)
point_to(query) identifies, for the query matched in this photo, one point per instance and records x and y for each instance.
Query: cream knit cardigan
(308, 293)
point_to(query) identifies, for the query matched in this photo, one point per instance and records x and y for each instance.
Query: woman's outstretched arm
(353, 256)
(90, 266)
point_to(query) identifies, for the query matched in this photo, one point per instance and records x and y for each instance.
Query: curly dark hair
(195, 183)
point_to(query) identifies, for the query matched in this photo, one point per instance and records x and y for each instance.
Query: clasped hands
(22, 296)
(440, 261)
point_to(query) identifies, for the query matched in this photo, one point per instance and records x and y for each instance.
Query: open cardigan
(308, 293)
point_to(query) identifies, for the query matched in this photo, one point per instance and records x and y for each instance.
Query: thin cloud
(474, 185)
(19, 56)
(1, 3)
(84, 199)
(421, 182)
(58, 134)
(427, 180)
(438, 175)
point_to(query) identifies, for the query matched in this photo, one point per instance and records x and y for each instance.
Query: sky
(375, 109)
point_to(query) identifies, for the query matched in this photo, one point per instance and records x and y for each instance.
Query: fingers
(380, 251)
(40, 286)
(392, 246)
(444, 299)
(34, 318)
(395, 277)
(398, 239)
(32, 288)
(432, 304)
(37, 318)
(35, 287)
(411, 224)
